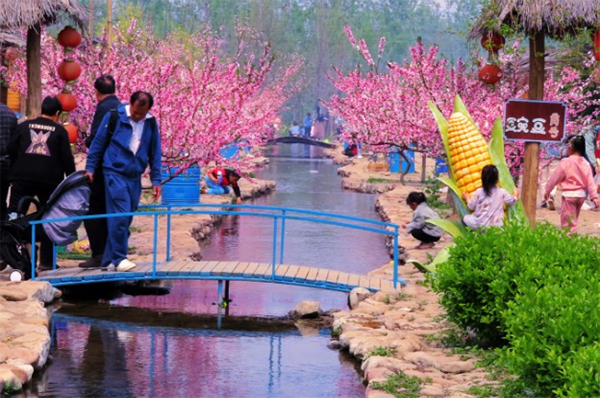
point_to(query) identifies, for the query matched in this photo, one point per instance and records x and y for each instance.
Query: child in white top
(487, 202)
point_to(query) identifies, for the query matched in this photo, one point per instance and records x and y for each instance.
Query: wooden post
(423, 167)
(34, 75)
(532, 149)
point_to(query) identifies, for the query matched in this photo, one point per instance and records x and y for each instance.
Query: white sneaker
(125, 265)
(586, 206)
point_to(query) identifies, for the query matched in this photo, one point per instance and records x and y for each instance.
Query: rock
(357, 295)
(8, 378)
(420, 359)
(42, 291)
(307, 329)
(432, 391)
(307, 310)
(377, 374)
(334, 345)
(373, 393)
(456, 367)
(13, 294)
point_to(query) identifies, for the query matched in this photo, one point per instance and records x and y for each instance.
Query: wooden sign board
(534, 121)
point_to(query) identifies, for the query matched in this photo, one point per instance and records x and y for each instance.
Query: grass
(483, 391)
(9, 388)
(336, 332)
(383, 352)
(134, 229)
(400, 385)
(374, 180)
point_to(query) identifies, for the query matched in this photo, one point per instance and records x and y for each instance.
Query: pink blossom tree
(204, 100)
(391, 108)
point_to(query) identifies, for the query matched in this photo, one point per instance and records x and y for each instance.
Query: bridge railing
(279, 215)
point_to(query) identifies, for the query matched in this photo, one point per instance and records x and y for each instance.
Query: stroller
(70, 199)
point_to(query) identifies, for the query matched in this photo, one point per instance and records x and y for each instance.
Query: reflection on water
(94, 358)
(138, 347)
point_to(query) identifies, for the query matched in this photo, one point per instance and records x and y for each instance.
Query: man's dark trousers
(97, 229)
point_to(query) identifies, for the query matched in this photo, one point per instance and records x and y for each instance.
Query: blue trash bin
(440, 166)
(230, 151)
(183, 189)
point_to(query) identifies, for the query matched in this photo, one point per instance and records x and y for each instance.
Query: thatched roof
(22, 14)
(556, 18)
(10, 38)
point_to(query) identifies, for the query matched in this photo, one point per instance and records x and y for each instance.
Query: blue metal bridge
(274, 272)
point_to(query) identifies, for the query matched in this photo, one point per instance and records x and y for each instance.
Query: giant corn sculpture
(468, 154)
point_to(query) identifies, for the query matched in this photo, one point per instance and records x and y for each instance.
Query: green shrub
(400, 385)
(487, 270)
(553, 330)
(582, 373)
(383, 352)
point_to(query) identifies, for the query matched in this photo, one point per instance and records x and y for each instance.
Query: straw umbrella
(536, 19)
(31, 15)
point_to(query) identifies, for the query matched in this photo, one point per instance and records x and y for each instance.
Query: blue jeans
(215, 189)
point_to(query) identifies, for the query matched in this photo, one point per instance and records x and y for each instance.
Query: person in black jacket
(97, 229)
(8, 125)
(40, 155)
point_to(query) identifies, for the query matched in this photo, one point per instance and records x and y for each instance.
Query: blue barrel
(229, 151)
(183, 189)
(440, 166)
(346, 145)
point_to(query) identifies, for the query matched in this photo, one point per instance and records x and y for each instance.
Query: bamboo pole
(34, 75)
(91, 21)
(109, 24)
(532, 149)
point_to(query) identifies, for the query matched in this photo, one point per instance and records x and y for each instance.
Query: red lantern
(68, 101)
(69, 37)
(493, 42)
(73, 132)
(69, 70)
(490, 74)
(596, 38)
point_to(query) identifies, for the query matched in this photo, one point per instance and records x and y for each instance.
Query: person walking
(97, 230)
(8, 126)
(574, 174)
(307, 125)
(40, 156)
(123, 156)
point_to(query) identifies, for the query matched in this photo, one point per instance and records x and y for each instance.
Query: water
(169, 346)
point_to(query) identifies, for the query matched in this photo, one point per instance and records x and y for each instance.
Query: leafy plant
(336, 332)
(9, 388)
(485, 271)
(383, 352)
(582, 373)
(484, 391)
(400, 385)
(434, 198)
(375, 180)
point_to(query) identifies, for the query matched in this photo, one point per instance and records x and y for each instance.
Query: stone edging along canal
(24, 333)
(405, 330)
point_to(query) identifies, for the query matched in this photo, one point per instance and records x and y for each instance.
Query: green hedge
(535, 292)
(582, 373)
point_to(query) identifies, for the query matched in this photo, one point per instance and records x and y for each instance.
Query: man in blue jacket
(124, 155)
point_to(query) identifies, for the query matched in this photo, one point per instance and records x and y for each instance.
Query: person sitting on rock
(418, 227)
(219, 180)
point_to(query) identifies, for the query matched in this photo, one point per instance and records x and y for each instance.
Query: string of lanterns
(491, 73)
(69, 71)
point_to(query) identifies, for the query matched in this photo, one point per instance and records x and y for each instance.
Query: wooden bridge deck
(224, 270)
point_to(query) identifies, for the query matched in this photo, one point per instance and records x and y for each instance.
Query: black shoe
(46, 267)
(94, 262)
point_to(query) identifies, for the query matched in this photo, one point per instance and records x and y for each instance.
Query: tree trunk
(34, 74)
(532, 149)
(423, 167)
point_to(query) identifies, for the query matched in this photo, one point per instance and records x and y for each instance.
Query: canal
(170, 346)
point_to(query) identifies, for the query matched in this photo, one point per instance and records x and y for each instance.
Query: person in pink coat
(574, 174)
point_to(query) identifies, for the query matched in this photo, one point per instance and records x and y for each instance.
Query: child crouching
(422, 231)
